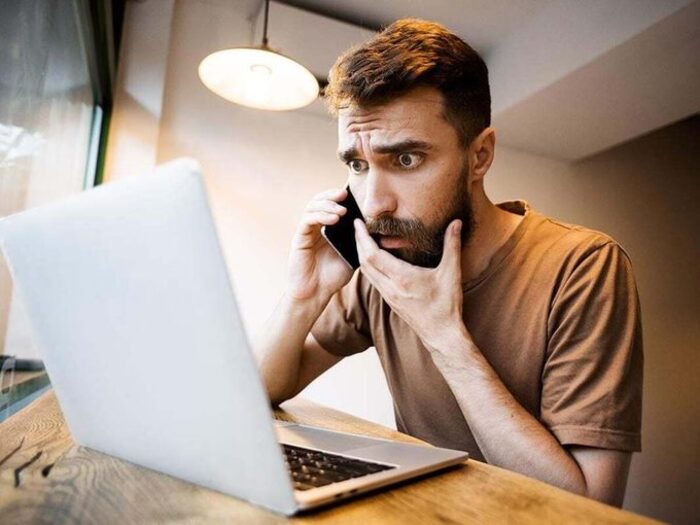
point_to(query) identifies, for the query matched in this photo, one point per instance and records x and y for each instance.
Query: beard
(425, 243)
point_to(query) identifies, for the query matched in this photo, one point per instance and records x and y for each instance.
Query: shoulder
(586, 266)
(571, 244)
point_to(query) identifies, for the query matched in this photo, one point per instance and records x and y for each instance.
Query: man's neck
(493, 227)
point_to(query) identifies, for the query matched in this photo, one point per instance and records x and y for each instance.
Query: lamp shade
(258, 78)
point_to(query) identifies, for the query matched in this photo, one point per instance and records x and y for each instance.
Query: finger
(309, 230)
(380, 281)
(336, 194)
(375, 256)
(452, 245)
(363, 254)
(311, 220)
(326, 205)
(376, 278)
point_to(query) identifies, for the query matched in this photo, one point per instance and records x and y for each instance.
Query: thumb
(452, 246)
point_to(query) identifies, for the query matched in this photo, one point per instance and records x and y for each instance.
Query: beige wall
(138, 97)
(261, 168)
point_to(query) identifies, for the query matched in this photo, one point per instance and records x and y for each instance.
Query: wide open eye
(409, 160)
(357, 166)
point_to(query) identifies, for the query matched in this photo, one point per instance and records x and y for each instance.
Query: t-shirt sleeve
(592, 377)
(343, 328)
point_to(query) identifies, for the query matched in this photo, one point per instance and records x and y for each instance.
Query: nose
(376, 196)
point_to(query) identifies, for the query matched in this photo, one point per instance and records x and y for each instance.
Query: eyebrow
(403, 146)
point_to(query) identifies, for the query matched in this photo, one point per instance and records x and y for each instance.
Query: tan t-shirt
(555, 313)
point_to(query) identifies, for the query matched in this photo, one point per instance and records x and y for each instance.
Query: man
(501, 332)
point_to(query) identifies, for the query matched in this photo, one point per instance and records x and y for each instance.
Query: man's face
(408, 173)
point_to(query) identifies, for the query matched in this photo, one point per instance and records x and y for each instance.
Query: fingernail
(457, 227)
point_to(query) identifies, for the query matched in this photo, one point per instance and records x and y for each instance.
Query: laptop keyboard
(312, 468)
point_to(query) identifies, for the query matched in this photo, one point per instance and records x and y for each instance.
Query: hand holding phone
(341, 235)
(314, 269)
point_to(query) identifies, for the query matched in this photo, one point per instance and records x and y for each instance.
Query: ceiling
(482, 23)
(569, 78)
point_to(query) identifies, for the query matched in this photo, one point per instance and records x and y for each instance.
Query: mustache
(423, 240)
(394, 227)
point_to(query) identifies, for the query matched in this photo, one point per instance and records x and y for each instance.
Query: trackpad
(311, 437)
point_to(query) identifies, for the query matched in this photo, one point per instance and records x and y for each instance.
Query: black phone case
(341, 235)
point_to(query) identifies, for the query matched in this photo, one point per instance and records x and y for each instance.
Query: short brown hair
(410, 53)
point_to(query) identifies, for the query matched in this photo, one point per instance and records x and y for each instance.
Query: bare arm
(511, 437)
(293, 357)
(605, 471)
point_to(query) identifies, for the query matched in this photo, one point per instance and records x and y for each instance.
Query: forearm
(506, 433)
(281, 344)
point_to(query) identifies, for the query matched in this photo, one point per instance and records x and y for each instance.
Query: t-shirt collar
(519, 207)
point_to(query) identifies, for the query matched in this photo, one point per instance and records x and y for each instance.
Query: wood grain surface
(46, 478)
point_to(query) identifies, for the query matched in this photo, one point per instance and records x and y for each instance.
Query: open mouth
(390, 242)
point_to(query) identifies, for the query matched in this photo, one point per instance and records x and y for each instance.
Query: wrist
(455, 338)
(304, 311)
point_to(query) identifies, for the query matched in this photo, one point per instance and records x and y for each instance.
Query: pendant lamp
(259, 77)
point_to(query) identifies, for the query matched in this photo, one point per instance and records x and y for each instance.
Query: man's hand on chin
(429, 300)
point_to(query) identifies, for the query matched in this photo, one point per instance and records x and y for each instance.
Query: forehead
(417, 114)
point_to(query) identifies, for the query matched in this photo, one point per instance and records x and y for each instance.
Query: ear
(481, 152)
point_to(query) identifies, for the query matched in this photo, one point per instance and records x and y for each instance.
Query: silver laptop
(132, 309)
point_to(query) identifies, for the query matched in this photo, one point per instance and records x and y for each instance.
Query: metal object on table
(7, 382)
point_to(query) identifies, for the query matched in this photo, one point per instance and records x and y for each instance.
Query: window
(54, 95)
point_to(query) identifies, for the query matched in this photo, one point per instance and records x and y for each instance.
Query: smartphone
(341, 235)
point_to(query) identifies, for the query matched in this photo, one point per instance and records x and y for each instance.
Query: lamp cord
(267, 13)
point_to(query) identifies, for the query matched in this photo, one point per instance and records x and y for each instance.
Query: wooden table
(46, 478)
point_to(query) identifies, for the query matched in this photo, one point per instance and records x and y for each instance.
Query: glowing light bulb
(258, 78)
